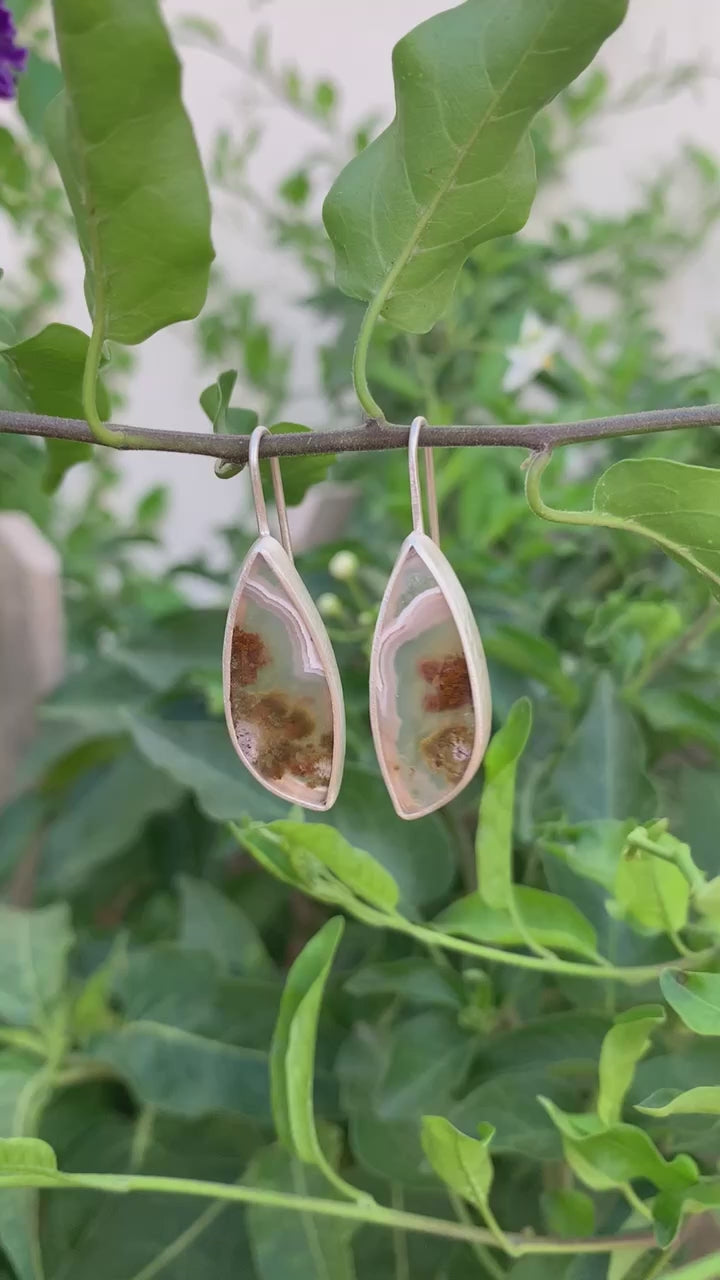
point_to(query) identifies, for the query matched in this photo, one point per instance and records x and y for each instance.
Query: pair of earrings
(429, 691)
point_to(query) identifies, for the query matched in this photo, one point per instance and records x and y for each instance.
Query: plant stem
(482, 1253)
(368, 1212)
(181, 1243)
(360, 357)
(386, 435)
(400, 1249)
(630, 974)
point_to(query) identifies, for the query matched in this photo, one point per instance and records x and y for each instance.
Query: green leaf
(601, 771)
(695, 997)
(671, 1206)
(26, 1155)
(649, 891)
(296, 1246)
(40, 82)
(412, 1079)
(300, 474)
(612, 1156)
(173, 648)
(188, 1075)
(533, 656)
(366, 877)
(462, 1163)
(569, 1213)
(14, 172)
(413, 979)
(494, 841)
(623, 1047)
(21, 1087)
(705, 1269)
(522, 1128)
(34, 947)
(129, 161)
(456, 166)
(292, 1055)
(48, 369)
(199, 756)
(634, 1264)
(165, 983)
(704, 1100)
(551, 920)
(100, 822)
(675, 505)
(211, 922)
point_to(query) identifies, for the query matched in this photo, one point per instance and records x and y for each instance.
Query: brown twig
(371, 436)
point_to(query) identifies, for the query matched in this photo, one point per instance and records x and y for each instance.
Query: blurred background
(117, 779)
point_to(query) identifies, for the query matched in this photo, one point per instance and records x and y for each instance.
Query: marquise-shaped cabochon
(283, 697)
(430, 693)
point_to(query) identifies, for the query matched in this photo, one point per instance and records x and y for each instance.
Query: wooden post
(32, 648)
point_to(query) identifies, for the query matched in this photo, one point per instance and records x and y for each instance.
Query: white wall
(352, 43)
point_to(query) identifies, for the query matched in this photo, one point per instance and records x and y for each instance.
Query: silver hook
(415, 492)
(258, 495)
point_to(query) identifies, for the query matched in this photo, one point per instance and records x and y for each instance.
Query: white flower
(329, 605)
(534, 351)
(343, 566)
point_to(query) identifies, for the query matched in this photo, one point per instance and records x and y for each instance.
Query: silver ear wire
(415, 490)
(258, 495)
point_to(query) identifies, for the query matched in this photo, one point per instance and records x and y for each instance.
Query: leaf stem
(103, 434)
(360, 357)
(368, 1212)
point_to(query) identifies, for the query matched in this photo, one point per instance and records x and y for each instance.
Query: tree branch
(371, 436)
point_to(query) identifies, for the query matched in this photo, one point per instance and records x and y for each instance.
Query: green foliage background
(141, 985)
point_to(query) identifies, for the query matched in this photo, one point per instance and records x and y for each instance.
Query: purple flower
(12, 57)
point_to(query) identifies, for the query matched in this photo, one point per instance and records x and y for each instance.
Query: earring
(281, 685)
(430, 704)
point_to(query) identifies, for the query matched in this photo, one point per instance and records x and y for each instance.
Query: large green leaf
(671, 503)
(48, 370)
(34, 947)
(40, 82)
(695, 997)
(198, 754)
(211, 922)
(296, 1246)
(622, 1048)
(600, 773)
(551, 920)
(414, 1080)
(185, 1074)
(494, 842)
(456, 166)
(463, 1163)
(165, 983)
(170, 649)
(292, 1056)
(130, 165)
(100, 821)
